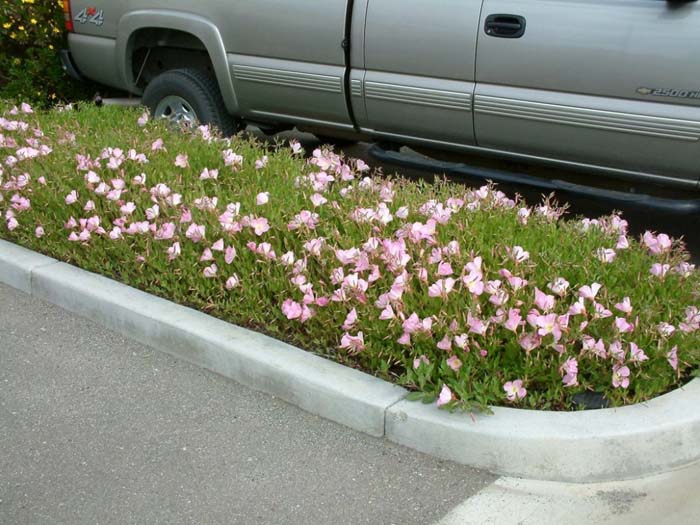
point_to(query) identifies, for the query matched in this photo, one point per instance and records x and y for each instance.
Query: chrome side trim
(685, 130)
(420, 96)
(693, 184)
(292, 79)
(356, 87)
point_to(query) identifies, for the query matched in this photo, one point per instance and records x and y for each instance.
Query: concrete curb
(591, 446)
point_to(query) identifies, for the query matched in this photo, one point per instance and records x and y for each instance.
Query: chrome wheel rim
(177, 111)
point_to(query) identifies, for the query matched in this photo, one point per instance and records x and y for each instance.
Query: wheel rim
(177, 111)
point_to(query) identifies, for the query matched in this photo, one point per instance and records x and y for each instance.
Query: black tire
(201, 92)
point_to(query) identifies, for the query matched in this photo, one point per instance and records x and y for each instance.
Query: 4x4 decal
(91, 15)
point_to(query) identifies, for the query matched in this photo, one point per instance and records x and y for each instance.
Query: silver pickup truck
(612, 86)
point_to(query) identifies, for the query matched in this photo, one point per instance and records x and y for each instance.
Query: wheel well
(155, 50)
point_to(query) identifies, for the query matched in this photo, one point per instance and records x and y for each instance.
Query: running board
(643, 201)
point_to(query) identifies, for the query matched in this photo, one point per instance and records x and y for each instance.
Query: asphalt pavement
(95, 428)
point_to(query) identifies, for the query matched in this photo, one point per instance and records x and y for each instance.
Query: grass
(385, 277)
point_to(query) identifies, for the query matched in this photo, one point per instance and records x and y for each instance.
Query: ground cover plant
(466, 296)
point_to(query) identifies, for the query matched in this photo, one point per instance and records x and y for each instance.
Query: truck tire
(189, 97)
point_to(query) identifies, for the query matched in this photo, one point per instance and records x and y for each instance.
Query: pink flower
(182, 161)
(405, 339)
(157, 145)
(89, 206)
(666, 329)
(143, 119)
(529, 342)
(656, 244)
(116, 233)
(208, 174)
(128, 208)
(261, 163)
(454, 363)
(623, 326)
(174, 251)
(476, 325)
(387, 313)
(210, 271)
(444, 269)
(445, 396)
(354, 344)
(589, 292)
(259, 225)
(232, 282)
(543, 301)
(39, 232)
(559, 286)
(445, 343)
(659, 270)
(318, 200)
(229, 254)
(570, 371)
(551, 324)
(637, 355)
(314, 246)
(262, 198)
(291, 309)
(625, 306)
(441, 288)
(165, 232)
(605, 255)
(350, 320)
(514, 390)
(232, 159)
(519, 254)
(295, 147)
(620, 376)
(72, 197)
(622, 242)
(514, 320)
(422, 359)
(206, 255)
(672, 357)
(195, 232)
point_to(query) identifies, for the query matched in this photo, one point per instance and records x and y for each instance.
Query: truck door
(607, 82)
(419, 69)
(288, 60)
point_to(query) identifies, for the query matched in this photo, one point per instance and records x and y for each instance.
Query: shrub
(31, 32)
(464, 295)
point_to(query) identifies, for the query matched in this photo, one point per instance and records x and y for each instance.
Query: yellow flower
(27, 1)
(33, 20)
(7, 25)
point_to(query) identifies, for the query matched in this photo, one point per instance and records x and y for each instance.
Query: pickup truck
(608, 86)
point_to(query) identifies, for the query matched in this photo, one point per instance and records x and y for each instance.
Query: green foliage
(567, 249)
(31, 33)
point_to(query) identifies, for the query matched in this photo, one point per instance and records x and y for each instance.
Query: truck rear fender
(195, 25)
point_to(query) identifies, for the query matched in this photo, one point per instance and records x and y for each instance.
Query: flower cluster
(468, 296)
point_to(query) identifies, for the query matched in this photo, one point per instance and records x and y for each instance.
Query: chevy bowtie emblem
(644, 91)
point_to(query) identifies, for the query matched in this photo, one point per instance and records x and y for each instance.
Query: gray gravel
(97, 429)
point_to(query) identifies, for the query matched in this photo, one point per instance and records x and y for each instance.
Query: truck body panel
(612, 85)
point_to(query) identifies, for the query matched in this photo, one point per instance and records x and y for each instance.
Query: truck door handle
(505, 26)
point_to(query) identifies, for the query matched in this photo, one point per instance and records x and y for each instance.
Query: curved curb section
(581, 447)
